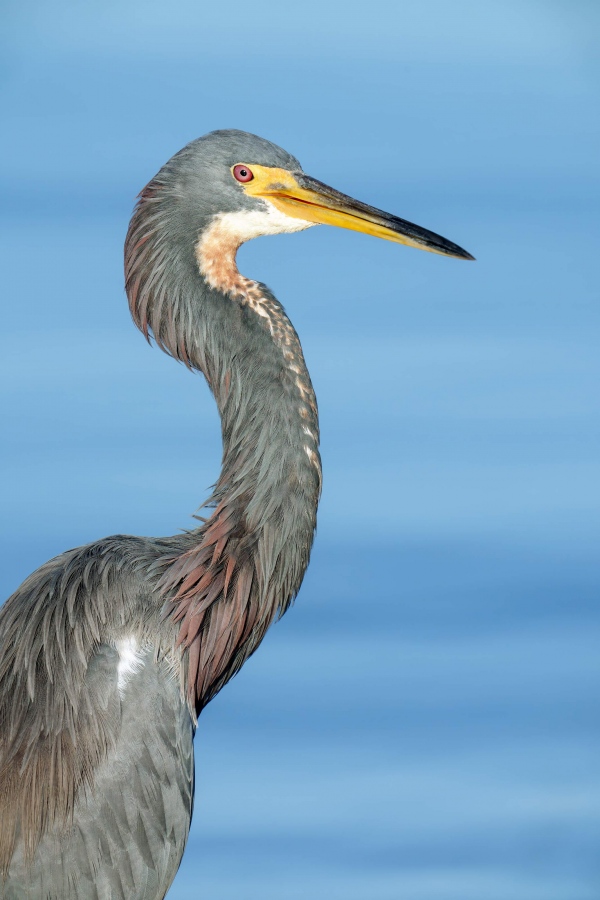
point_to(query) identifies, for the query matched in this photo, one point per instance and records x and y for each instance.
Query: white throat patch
(252, 223)
(219, 243)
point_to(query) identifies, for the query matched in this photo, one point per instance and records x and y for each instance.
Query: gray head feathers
(198, 178)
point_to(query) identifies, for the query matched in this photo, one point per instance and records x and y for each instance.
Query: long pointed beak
(302, 197)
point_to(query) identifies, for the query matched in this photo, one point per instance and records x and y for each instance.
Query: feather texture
(96, 775)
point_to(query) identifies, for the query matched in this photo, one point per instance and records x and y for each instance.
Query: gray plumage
(96, 784)
(109, 652)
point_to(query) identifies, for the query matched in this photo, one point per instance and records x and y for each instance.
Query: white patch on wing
(130, 660)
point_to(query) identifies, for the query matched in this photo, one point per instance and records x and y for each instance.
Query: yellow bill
(302, 197)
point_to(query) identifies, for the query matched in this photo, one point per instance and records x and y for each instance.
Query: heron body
(109, 652)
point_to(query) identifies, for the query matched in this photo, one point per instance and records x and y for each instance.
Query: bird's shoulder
(53, 625)
(68, 641)
(83, 588)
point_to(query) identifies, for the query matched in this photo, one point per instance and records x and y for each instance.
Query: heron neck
(244, 566)
(225, 582)
(269, 422)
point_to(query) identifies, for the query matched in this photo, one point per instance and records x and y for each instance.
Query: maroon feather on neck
(227, 581)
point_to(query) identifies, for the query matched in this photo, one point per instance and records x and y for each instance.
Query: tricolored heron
(109, 652)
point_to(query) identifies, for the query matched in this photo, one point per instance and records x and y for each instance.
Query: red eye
(242, 173)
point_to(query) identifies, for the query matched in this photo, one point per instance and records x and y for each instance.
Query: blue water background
(424, 724)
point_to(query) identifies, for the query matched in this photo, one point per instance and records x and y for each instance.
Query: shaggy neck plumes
(229, 579)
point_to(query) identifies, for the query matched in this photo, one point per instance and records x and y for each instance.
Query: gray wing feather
(120, 761)
(128, 833)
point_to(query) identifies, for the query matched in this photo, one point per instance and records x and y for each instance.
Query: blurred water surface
(423, 724)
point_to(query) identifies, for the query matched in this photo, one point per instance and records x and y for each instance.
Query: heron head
(253, 187)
